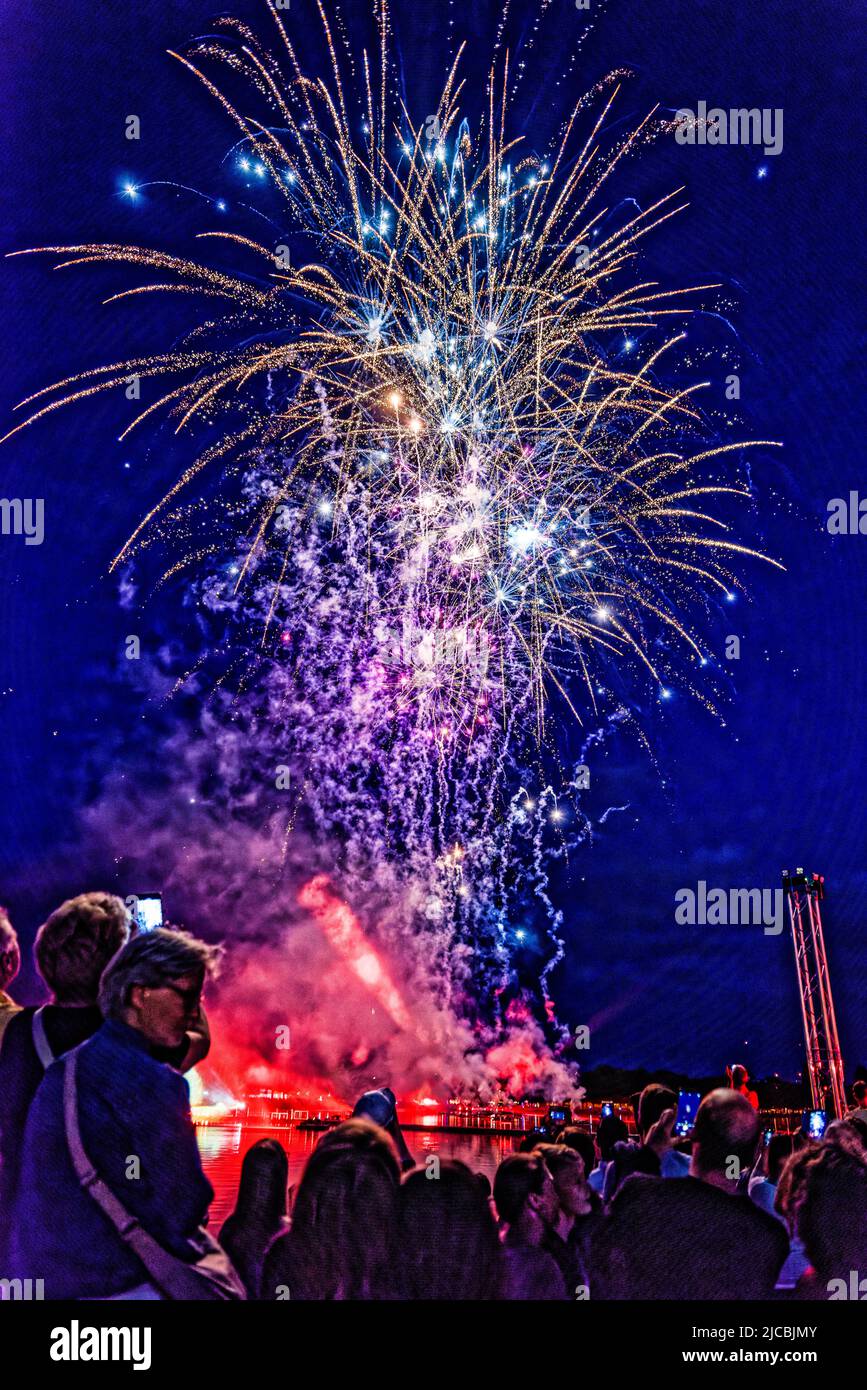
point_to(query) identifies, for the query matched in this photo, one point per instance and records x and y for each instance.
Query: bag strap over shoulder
(40, 1039)
(212, 1278)
(126, 1224)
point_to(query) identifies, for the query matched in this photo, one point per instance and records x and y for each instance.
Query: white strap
(40, 1040)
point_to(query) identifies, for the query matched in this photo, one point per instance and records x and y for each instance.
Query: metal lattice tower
(824, 1063)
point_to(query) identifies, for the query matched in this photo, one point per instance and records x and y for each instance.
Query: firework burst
(467, 496)
(441, 366)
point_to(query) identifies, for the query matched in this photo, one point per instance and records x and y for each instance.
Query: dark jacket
(21, 1073)
(681, 1238)
(134, 1116)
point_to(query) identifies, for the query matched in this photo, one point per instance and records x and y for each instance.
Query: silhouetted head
(726, 1127)
(10, 955)
(566, 1167)
(262, 1189)
(738, 1076)
(823, 1196)
(523, 1188)
(154, 984)
(341, 1243)
(655, 1100)
(860, 1128)
(582, 1143)
(528, 1142)
(75, 944)
(447, 1235)
(612, 1130)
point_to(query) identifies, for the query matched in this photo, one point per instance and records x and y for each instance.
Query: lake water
(223, 1148)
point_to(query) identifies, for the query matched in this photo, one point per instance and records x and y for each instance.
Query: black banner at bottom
(246, 1343)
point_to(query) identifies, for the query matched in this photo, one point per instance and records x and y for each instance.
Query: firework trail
(452, 515)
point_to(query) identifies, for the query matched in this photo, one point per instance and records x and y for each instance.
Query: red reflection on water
(223, 1148)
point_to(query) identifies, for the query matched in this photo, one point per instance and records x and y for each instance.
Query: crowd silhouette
(103, 1194)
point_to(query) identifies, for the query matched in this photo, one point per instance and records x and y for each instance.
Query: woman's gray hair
(153, 959)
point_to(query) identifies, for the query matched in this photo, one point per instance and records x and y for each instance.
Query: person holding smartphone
(694, 1237)
(763, 1181)
(657, 1108)
(381, 1107)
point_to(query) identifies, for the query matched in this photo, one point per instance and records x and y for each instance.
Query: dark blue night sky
(783, 783)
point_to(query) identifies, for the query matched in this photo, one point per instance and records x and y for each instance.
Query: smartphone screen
(813, 1124)
(687, 1109)
(147, 909)
(606, 1111)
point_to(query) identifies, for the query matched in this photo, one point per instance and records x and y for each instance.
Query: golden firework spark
(443, 356)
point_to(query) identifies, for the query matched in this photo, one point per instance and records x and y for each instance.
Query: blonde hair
(10, 955)
(77, 941)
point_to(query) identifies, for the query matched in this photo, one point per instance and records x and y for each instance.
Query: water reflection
(223, 1148)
